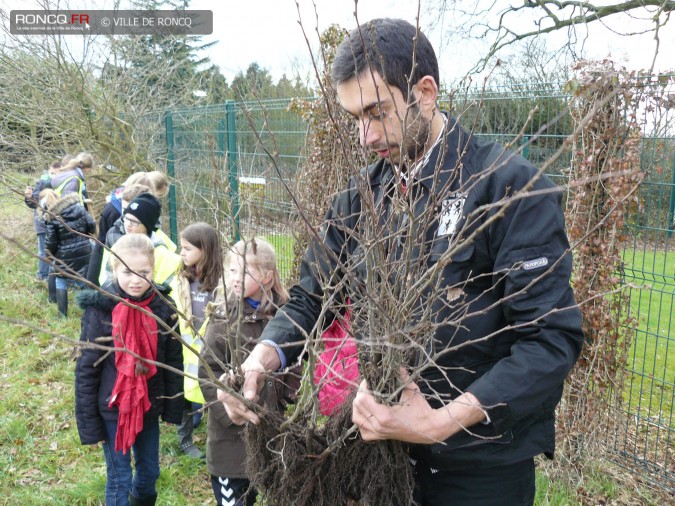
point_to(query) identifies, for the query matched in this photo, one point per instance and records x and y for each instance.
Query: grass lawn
(651, 359)
(283, 246)
(41, 458)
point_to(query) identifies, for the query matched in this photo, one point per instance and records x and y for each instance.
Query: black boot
(62, 302)
(146, 501)
(51, 288)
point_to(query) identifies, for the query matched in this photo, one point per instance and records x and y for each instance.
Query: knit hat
(146, 208)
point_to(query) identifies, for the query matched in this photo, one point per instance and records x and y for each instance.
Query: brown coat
(225, 452)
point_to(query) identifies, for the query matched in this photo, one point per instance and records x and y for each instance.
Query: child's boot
(62, 302)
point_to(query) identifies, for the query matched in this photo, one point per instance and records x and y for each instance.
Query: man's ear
(426, 93)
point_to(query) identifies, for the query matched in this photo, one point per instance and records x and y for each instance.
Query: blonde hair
(50, 197)
(138, 178)
(160, 182)
(260, 254)
(138, 243)
(81, 161)
(133, 191)
(67, 159)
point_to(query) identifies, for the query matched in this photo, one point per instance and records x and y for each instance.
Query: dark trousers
(233, 491)
(191, 419)
(121, 479)
(511, 485)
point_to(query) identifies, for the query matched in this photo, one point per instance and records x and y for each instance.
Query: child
(255, 292)
(198, 283)
(141, 216)
(32, 200)
(67, 230)
(120, 396)
(70, 177)
(160, 182)
(111, 212)
(128, 195)
(161, 185)
(97, 265)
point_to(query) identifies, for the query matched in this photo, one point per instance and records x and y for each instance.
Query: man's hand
(412, 419)
(263, 358)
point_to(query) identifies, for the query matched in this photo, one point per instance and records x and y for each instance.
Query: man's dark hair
(390, 47)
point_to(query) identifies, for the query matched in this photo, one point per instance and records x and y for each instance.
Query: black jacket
(95, 372)
(72, 251)
(506, 325)
(109, 215)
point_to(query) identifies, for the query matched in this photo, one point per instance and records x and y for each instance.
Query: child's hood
(104, 298)
(61, 208)
(99, 299)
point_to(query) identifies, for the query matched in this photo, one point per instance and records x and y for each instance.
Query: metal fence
(234, 166)
(219, 158)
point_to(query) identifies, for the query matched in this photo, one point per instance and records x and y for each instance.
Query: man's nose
(367, 133)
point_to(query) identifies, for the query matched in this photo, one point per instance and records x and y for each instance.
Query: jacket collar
(441, 162)
(61, 205)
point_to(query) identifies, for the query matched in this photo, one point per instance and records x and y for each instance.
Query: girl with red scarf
(120, 396)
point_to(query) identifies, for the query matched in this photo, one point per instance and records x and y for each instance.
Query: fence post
(231, 129)
(671, 208)
(526, 147)
(171, 171)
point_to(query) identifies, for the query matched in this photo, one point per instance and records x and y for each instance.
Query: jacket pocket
(531, 277)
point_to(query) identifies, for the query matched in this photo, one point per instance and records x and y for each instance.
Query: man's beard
(416, 136)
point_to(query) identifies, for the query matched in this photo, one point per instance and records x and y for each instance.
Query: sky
(269, 32)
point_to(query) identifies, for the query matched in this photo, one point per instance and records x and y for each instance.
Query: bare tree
(102, 94)
(504, 24)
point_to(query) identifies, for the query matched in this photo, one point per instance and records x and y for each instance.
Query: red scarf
(135, 332)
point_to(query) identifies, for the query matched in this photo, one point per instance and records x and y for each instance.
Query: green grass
(41, 458)
(283, 246)
(652, 355)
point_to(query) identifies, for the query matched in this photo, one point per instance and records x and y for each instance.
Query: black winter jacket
(505, 323)
(95, 372)
(109, 216)
(72, 251)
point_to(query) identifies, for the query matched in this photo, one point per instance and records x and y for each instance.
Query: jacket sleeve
(90, 425)
(215, 353)
(173, 382)
(51, 237)
(318, 269)
(91, 225)
(94, 267)
(533, 264)
(34, 200)
(108, 217)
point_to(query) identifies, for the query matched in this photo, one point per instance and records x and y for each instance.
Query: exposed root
(325, 465)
